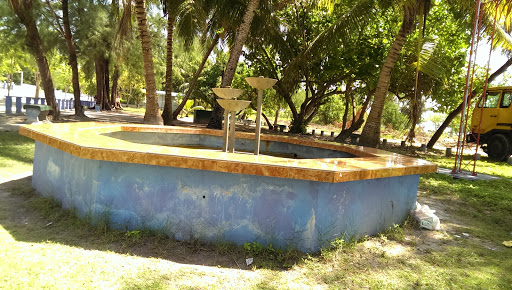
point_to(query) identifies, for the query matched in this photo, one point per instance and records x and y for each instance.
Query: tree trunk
(9, 84)
(371, 131)
(99, 83)
(106, 87)
(458, 110)
(24, 12)
(297, 125)
(356, 123)
(276, 118)
(196, 77)
(345, 113)
(38, 83)
(167, 114)
(270, 127)
(152, 115)
(79, 111)
(115, 87)
(235, 51)
(415, 116)
(102, 83)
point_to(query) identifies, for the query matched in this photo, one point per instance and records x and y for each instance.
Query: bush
(392, 117)
(331, 112)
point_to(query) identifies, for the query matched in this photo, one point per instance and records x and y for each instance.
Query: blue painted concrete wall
(215, 206)
(175, 139)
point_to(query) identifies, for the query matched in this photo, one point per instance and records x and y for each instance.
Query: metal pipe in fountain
(259, 83)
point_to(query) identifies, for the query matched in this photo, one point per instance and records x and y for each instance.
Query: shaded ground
(17, 217)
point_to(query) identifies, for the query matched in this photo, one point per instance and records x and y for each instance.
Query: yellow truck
(496, 125)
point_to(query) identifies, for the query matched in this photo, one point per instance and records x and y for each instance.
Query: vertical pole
(226, 128)
(462, 129)
(258, 124)
(232, 131)
(484, 94)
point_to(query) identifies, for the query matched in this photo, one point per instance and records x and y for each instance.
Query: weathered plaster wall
(216, 206)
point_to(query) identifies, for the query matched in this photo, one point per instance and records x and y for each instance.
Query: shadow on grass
(16, 147)
(29, 217)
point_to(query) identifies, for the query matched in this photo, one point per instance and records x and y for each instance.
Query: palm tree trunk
(415, 117)
(167, 114)
(196, 76)
(25, 13)
(79, 111)
(152, 115)
(457, 111)
(371, 131)
(235, 51)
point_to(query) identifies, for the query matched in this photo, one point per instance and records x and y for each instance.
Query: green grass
(133, 110)
(484, 165)
(45, 246)
(16, 154)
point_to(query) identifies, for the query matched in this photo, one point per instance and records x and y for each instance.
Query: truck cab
(493, 118)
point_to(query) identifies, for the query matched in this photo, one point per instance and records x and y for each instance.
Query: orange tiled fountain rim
(88, 140)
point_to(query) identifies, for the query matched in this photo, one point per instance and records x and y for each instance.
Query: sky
(497, 59)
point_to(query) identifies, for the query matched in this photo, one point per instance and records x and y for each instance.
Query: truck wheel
(498, 147)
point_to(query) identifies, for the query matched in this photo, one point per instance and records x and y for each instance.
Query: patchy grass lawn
(134, 110)
(16, 154)
(44, 246)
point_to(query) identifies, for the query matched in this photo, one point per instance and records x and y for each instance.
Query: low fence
(64, 104)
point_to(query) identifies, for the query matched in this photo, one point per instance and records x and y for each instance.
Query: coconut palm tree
(234, 54)
(152, 115)
(188, 18)
(371, 131)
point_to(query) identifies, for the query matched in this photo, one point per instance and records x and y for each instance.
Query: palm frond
(329, 4)
(432, 63)
(503, 15)
(191, 21)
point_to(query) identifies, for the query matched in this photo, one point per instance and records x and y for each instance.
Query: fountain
(299, 192)
(230, 105)
(259, 83)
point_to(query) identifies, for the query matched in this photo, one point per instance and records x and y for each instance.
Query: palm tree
(170, 8)
(371, 131)
(235, 51)
(152, 115)
(188, 17)
(24, 11)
